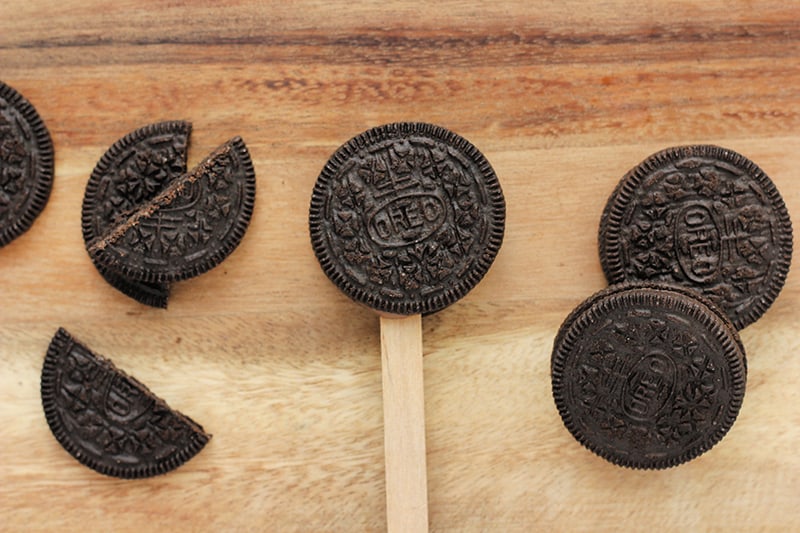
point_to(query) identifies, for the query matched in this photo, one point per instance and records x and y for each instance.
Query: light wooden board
(562, 97)
(406, 472)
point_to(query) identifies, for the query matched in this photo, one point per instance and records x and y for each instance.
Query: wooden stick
(404, 424)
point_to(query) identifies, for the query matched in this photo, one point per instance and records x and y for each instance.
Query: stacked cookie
(650, 372)
(148, 222)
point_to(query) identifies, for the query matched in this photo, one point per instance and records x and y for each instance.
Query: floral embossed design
(705, 218)
(145, 171)
(646, 382)
(421, 201)
(689, 393)
(26, 164)
(200, 213)
(85, 387)
(737, 237)
(144, 175)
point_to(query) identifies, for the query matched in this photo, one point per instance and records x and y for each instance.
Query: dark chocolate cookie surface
(108, 420)
(132, 172)
(26, 164)
(647, 377)
(703, 217)
(189, 227)
(407, 218)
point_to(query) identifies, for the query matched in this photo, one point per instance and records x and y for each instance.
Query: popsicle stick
(404, 424)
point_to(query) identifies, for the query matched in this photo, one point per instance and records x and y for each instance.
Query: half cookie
(108, 420)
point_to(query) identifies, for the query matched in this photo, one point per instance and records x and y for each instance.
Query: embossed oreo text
(704, 223)
(406, 219)
(646, 379)
(407, 216)
(649, 386)
(697, 243)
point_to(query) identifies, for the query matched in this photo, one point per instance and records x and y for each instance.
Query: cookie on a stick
(406, 218)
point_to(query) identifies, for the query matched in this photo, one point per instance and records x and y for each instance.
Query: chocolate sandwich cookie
(147, 222)
(407, 218)
(108, 420)
(132, 172)
(26, 164)
(647, 376)
(703, 217)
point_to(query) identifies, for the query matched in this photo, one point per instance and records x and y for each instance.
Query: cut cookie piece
(108, 420)
(188, 228)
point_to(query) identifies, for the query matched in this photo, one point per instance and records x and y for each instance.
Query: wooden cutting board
(562, 98)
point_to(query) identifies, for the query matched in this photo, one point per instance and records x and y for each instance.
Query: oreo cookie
(147, 222)
(108, 420)
(703, 217)
(647, 376)
(26, 164)
(407, 218)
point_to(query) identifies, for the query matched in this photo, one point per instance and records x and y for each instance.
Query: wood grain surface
(562, 98)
